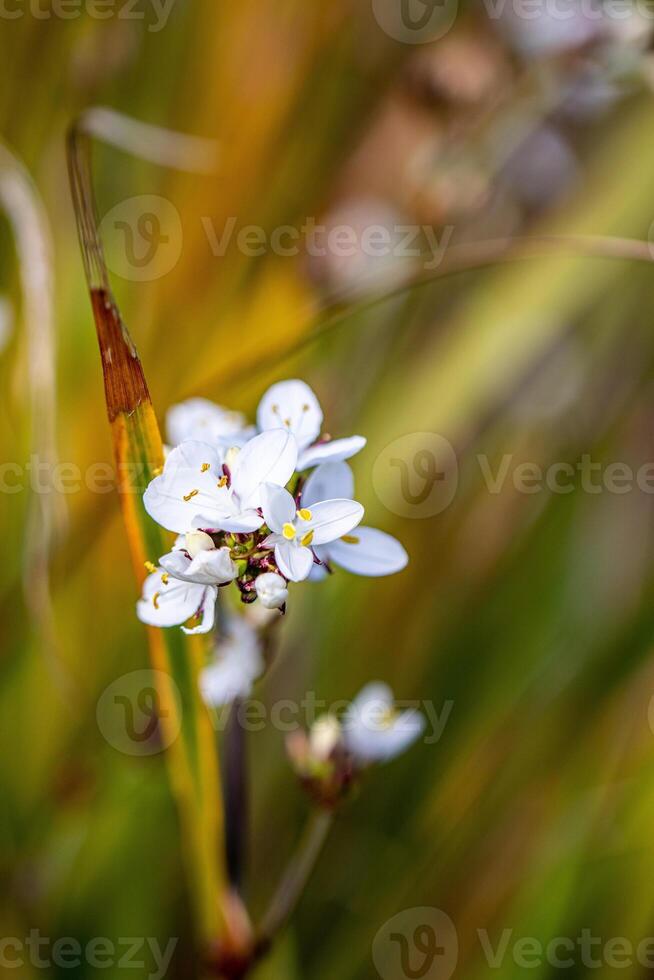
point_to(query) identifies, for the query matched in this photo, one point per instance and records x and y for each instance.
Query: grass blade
(192, 757)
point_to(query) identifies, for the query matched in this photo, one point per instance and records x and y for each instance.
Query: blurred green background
(532, 613)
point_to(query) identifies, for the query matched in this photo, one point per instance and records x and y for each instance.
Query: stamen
(189, 496)
(205, 467)
(305, 408)
(165, 578)
(289, 532)
(155, 600)
(222, 482)
(350, 539)
(388, 718)
(307, 539)
(157, 471)
(305, 514)
(150, 567)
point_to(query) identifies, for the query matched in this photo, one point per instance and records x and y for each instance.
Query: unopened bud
(271, 590)
(197, 541)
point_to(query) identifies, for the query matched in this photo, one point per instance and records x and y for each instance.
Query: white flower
(204, 486)
(369, 551)
(374, 731)
(292, 405)
(271, 590)
(238, 663)
(203, 421)
(186, 585)
(295, 532)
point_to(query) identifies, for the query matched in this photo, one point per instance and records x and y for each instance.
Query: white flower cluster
(260, 507)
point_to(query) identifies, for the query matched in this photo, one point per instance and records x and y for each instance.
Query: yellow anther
(287, 423)
(350, 539)
(157, 471)
(150, 567)
(305, 408)
(205, 467)
(165, 578)
(289, 532)
(189, 496)
(307, 539)
(275, 409)
(222, 482)
(305, 514)
(388, 718)
(155, 600)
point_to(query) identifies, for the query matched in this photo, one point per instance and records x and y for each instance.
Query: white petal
(374, 696)
(293, 561)
(328, 482)
(222, 683)
(273, 539)
(202, 420)
(207, 568)
(176, 563)
(268, 458)
(293, 405)
(243, 523)
(368, 744)
(334, 451)
(318, 573)
(368, 733)
(238, 662)
(207, 612)
(278, 506)
(331, 519)
(171, 499)
(371, 552)
(168, 605)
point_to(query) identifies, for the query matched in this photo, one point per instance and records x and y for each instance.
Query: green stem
(296, 877)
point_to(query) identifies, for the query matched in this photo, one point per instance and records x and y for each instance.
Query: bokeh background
(531, 613)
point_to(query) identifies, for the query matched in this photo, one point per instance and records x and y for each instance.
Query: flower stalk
(296, 877)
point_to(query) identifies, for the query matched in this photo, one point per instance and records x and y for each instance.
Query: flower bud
(197, 541)
(326, 735)
(271, 590)
(321, 761)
